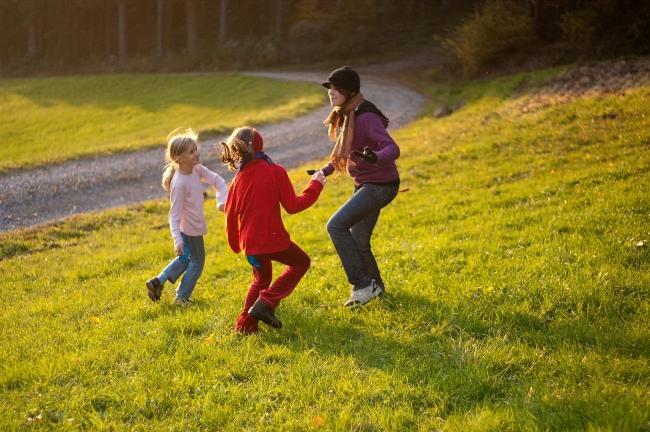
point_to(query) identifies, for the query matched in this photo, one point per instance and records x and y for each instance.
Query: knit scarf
(340, 123)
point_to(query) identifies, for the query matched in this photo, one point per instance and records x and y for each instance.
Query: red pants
(297, 262)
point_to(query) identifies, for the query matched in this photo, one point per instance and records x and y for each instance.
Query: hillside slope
(517, 270)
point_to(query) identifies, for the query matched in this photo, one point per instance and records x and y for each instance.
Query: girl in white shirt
(183, 177)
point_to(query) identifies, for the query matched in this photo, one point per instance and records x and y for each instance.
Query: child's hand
(221, 207)
(313, 171)
(319, 177)
(178, 248)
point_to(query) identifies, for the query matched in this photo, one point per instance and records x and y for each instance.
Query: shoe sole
(263, 312)
(182, 303)
(358, 304)
(269, 323)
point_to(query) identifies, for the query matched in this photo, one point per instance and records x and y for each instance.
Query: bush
(578, 29)
(247, 53)
(308, 40)
(607, 27)
(490, 34)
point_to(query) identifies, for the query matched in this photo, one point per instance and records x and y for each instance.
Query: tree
(223, 9)
(279, 11)
(29, 12)
(192, 36)
(159, 27)
(121, 29)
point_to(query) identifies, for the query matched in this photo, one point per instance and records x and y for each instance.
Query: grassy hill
(53, 119)
(517, 282)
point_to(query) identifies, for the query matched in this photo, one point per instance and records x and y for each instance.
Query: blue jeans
(191, 263)
(350, 229)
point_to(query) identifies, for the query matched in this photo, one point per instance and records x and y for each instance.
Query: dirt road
(36, 196)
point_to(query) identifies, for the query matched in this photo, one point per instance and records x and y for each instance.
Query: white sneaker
(361, 296)
(182, 302)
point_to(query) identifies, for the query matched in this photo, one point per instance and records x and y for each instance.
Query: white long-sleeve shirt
(186, 197)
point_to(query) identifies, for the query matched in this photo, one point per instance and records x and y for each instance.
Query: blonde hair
(236, 149)
(179, 142)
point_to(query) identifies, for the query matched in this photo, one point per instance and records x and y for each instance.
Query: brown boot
(264, 313)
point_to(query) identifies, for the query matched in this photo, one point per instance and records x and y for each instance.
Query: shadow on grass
(337, 330)
(151, 93)
(435, 370)
(167, 308)
(467, 364)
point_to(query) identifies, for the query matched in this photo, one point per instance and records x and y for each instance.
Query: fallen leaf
(318, 421)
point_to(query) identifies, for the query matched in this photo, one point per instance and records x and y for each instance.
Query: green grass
(518, 299)
(54, 119)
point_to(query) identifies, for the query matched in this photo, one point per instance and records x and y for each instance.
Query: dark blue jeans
(350, 229)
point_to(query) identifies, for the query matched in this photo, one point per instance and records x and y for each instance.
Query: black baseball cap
(344, 78)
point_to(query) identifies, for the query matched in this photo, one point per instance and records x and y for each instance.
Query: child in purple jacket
(364, 148)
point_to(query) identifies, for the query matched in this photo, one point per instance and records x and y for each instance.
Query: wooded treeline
(68, 35)
(74, 32)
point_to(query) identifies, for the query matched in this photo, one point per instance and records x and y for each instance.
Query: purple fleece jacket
(370, 131)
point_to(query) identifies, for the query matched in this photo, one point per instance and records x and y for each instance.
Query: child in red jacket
(254, 225)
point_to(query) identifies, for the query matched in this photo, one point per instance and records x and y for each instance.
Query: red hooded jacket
(253, 220)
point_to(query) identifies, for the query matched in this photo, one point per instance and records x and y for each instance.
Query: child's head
(343, 83)
(179, 143)
(240, 147)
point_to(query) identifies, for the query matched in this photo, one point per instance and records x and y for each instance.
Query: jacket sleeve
(291, 202)
(385, 147)
(232, 221)
(216, 181)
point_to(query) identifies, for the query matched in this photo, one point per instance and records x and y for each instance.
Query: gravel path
(36, 196)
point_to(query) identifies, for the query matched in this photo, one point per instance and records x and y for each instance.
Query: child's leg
(261, 280)
(365, 202)
(194, 269)
(178, 265)
(362, 233)
(297, 262)
(174, 269)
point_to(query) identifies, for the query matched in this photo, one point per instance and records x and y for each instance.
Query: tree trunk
(159, 28)
(540, 18)
(192, 37)
(106, 19)
(278, 19)
(121, 29)
(31, 37)
(223, 8)
(410, 7)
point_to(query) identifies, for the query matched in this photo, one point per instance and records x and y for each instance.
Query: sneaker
(263, 312)
(361, 296)
(154, 289)
(182, 302)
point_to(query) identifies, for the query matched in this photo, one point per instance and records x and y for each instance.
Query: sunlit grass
(53, 119)
(518, 298)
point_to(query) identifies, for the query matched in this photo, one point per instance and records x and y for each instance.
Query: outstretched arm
(293, 203)
(217, 182)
